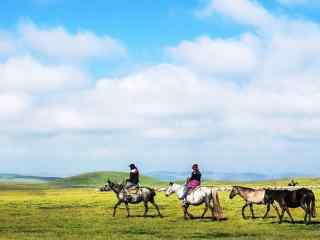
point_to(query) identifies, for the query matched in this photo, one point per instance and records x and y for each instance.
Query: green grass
(100, 178)
(38, 212)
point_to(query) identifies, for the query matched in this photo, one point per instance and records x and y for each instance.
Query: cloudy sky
(94, 85)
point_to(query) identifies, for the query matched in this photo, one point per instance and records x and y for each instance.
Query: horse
(286, 199)
(250, 196)
(143, 194)
(199, 196)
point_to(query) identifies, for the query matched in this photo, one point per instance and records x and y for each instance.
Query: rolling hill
(4, 177)
(99, 178)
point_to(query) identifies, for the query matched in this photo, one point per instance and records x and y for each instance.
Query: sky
(232, 85)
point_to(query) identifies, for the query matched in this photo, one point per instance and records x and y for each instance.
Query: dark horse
(286, 199)
(143, 194)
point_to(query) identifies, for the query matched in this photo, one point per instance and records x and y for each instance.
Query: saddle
(133, 190)
(192, 190)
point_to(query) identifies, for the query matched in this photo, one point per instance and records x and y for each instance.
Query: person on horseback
(131, 182)
(192, 182)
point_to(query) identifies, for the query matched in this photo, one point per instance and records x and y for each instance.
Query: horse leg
(277, 210)
(306, 213)
(157, 208)
(115, 208)
(287, 210)
(267, 212)
(281, 215)
(205, 210)
(189, 214)
(127, 208)
(310, 214)
(251, 209)
(306, 209)
(243, 208)
(145, 209)
(185, 212)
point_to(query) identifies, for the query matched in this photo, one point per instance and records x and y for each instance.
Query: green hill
(4, 177)
(99, 178)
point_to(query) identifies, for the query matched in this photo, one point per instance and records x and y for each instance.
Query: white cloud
(12, 104)
(248, 12)
(218, 56)
(28, 75)
(271, 93)
(61, 44)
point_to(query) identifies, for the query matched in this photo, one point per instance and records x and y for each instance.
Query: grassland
(45, 212)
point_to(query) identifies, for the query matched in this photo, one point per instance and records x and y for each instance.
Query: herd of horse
(280, 198)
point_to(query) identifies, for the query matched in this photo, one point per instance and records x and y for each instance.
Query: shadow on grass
(148, 216)
(208, 218)
(300, 222)
(212, 235)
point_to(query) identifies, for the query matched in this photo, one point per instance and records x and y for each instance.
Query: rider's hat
(195, 167)
(132, 166)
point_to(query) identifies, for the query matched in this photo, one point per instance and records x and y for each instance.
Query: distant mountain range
(96, 178)
(224, 176)
(5, 177)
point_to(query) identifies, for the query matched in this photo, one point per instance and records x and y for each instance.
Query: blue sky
(95, 85)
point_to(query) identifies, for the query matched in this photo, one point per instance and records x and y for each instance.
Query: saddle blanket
(134, 190)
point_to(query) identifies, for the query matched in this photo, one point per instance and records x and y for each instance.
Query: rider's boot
(184, 197)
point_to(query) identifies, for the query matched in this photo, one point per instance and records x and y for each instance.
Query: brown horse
(250, 196)
(286, 199)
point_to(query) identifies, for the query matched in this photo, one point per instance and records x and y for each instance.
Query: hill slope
(4, 177)
(99, 178)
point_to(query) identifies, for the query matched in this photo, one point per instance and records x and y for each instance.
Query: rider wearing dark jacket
(133, 176)
(195, 175)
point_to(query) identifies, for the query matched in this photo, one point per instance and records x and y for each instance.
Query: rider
(132, 181)
(192, 182)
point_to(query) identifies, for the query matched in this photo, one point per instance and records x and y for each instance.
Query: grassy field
(42, 212)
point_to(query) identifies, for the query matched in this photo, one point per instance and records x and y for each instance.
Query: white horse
(201, 195)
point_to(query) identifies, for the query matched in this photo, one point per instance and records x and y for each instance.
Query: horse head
(105, 188)
(234, 192)
(170, 189)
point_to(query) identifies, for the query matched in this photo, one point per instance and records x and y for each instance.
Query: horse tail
(153, 192)
(217, 209)
(313, 206)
